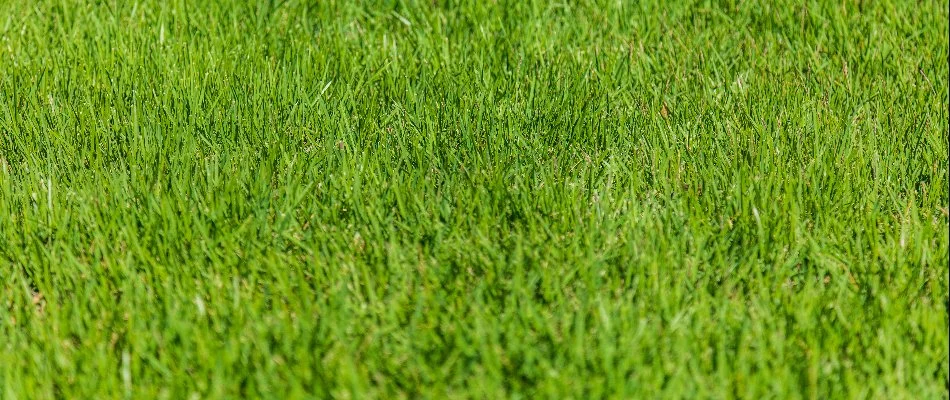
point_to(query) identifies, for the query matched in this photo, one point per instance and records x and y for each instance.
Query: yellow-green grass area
(473, 199)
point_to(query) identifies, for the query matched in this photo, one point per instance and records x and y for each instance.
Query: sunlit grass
(473, 199)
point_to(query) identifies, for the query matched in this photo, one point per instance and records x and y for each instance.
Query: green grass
(473, 199)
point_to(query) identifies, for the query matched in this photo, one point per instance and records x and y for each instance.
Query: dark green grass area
(473, 199)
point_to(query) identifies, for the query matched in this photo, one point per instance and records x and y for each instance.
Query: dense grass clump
(473, 199)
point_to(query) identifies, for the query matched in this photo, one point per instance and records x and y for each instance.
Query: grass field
(473, 199)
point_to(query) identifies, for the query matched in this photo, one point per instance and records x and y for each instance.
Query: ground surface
(478, 199)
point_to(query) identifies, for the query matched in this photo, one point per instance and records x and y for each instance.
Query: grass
(473, 199)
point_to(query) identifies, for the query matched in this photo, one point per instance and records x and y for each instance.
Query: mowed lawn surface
(473, 199)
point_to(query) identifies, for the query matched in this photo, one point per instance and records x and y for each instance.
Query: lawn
(474, 199)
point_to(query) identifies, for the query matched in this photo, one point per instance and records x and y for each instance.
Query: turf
(473, 199)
